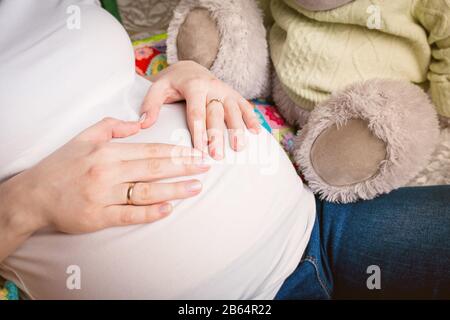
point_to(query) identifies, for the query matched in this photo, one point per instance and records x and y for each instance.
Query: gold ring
(215, 100)
(130, 193)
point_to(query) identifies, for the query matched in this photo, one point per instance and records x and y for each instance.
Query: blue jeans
(404, 236)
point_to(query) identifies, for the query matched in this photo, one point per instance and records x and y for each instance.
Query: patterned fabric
(150, 56)
(9, 291)
(143, 18)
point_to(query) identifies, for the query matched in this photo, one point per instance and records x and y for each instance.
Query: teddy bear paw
(366, 140)
(347, 154)
(201, 47)
(226, 37)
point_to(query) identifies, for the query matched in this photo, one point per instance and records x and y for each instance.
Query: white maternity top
(66, 64)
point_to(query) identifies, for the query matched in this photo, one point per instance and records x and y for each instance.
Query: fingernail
(238, 143)
(165, 208)
(217, 153)
(143, 117)
(194, 186)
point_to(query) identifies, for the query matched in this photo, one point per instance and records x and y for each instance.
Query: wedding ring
(130, 193)
(215, 100)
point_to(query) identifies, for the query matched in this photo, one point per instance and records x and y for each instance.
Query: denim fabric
(406, 233)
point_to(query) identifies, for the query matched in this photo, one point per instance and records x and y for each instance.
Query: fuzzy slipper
(387, 131)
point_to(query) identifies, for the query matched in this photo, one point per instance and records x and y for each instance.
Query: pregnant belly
(240, 238)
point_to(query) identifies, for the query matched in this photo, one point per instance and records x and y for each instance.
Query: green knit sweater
(316, 53)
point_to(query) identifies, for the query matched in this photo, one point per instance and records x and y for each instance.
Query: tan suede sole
(347, 155)
(198, 38)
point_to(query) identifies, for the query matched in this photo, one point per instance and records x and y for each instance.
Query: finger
(160, 168)
(235, 124)
(215, 126)
(150, 193)
(123, 215)
(196, 116)
(135, 151)
(109, 128)
(249, 116)
(153, 101)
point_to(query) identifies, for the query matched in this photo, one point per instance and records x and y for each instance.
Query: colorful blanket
(9, 291)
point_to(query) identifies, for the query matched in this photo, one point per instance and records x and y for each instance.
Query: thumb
(153, 101)
(110, 128)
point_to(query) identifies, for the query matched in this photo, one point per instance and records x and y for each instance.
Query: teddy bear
(364, 80)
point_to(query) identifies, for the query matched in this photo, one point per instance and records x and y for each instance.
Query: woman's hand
(190, 81)
(83, 186)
